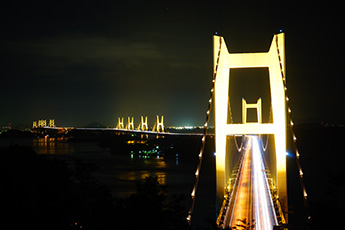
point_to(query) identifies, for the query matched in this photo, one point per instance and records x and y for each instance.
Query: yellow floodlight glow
(275, 62)
(120, 123)
(130, 124)
(143, 126)
(51, 123)
(159, 125)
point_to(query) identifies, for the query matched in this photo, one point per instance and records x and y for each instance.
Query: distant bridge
(123, 131)
(143, 127)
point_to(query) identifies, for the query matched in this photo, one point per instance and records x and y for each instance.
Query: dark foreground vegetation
(37, 192)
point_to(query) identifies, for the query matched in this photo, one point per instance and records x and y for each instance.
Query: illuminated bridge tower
(130, 124)
(159, 125)
(51, 123)
(120, 123)
(223, 62)
(42, 123)
(143, 126)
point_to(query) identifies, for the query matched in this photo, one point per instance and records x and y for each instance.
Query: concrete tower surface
(51, 123)
(120, 123)
(130, 124)
(143, 126)
(159, 125)
(274, 60)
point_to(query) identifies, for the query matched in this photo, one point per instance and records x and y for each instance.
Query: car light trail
(252, 206)
(265, 216)
(241, 213)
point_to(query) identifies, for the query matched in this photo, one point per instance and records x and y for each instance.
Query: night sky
(80, 62)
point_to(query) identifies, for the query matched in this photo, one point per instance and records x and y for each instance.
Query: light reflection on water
(156, 162)
(51, 145)
(120, 172)
(140, 175)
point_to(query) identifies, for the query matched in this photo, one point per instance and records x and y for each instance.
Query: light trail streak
(241, 213)
(252, 203)
(262, 202)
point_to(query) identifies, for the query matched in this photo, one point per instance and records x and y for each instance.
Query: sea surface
(121, 172)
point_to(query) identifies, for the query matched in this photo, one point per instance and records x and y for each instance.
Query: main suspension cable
(292, 132)
(203, 140)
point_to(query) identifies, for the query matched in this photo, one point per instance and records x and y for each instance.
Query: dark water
(120, 172)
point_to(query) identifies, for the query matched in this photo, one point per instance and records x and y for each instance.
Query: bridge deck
(127, 130)
(251, 205)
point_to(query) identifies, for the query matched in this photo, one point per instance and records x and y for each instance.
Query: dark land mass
(13, 133)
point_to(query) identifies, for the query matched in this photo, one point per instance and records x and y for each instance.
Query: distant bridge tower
(159, 125)
(42, 123)
(51, 123)
(120, 123)
(143, 126)
(130, 124)
(34, 124)
(274, 60)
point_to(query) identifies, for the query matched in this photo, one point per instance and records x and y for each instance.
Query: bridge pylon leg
(143, 126)
(120, 123)
(159, 125)
(130, 123)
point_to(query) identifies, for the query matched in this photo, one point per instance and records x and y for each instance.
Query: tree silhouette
(150, 208)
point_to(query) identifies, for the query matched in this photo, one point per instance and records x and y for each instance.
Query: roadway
(251, 205)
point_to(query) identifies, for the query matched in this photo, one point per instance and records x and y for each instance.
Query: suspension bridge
(251, 181)
(143, 127)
